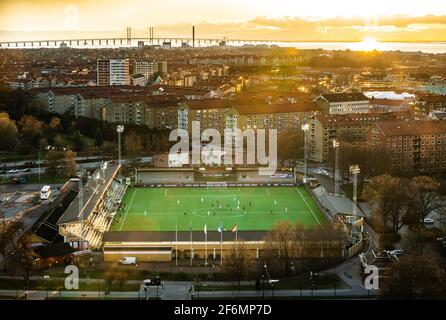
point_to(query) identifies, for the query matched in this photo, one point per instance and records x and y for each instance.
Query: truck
(128, 260)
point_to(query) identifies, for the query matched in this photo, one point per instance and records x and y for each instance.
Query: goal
(216, 185)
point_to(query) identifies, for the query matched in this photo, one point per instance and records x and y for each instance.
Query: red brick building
(412, 146)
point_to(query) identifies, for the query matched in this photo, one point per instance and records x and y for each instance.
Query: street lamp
(119, 130)
(355, 170)
(305, 128)
(336, 177)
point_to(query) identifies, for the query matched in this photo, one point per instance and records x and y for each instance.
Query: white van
(128, 260)
(45, 193)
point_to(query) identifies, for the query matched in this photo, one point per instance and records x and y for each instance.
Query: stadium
(169, 214)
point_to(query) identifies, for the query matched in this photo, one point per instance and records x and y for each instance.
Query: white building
(113, 72)
(344, 103)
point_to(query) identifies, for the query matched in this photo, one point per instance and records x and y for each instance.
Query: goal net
(216, 185)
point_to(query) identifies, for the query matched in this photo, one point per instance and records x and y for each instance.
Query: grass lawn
(46, 179)
(251, 208)
(15, 284)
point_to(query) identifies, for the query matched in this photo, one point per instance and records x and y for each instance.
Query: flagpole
(221, 245)
(236, 241)
(190, 238)
(176, 244)
(206, 248)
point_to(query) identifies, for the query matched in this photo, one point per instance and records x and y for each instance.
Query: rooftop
(401, 128)
(345, 97)
(90, 195)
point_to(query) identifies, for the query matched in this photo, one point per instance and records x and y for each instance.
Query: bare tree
(279, 244)
(416, 276)
(389, 196)
(424, 197)
(23, 258)
(238, 264)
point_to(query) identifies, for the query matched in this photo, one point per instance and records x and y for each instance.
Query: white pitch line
(267, 191)
(165, 193)
(306, 203)
(127, 211)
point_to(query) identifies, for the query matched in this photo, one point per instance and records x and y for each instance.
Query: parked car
(128, 260)
(396, 253)
(19, 180)
(428, 221)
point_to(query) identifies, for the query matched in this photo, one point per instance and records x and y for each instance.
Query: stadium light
(355, 170)
(119, 130)
(305, 128)
(337, 179)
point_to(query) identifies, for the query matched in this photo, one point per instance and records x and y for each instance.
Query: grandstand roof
(91, 193)
(46, 226)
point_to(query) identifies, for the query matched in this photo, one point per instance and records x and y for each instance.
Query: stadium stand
(93, 210)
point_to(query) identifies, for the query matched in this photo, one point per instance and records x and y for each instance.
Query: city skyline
(280, 20)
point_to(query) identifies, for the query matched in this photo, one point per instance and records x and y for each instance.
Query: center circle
(219, 213)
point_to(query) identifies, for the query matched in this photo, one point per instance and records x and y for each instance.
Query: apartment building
(146, 68)
(343, 103)
(127, 110)
(412, 146)
(281, 116)
(350, 127)
(111, 72)
(425, 105)
(231, 114)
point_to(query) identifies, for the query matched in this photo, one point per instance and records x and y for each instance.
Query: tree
(388, 197)
(424, 198)
(8, 132)
(54, 124)
(70, 163)
(98, 138)
(134, 146)
(31, 128)
(9, 232)
(55, 160)
(238, 264)
(23, 257)
(279, 243)
(77, 142)
(114, 274)
(290, 145)
(416, 276)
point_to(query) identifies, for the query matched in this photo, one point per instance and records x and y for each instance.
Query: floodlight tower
(355, 170)
(119, 130)
(305, 128)
(336, 175)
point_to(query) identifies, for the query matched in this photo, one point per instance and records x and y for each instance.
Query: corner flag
(205, 229)
(234, 228)
(220, 228)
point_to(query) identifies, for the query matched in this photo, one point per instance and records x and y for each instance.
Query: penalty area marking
(267, 191)
(127, 211)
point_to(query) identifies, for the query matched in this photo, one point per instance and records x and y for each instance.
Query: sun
(368, 44)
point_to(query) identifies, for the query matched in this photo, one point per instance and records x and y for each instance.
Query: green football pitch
(251, 208)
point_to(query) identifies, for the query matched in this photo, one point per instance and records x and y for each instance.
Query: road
(34, 171)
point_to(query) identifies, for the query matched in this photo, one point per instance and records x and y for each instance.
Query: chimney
(193, 36)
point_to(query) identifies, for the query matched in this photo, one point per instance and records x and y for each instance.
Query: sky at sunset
(315, 20)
